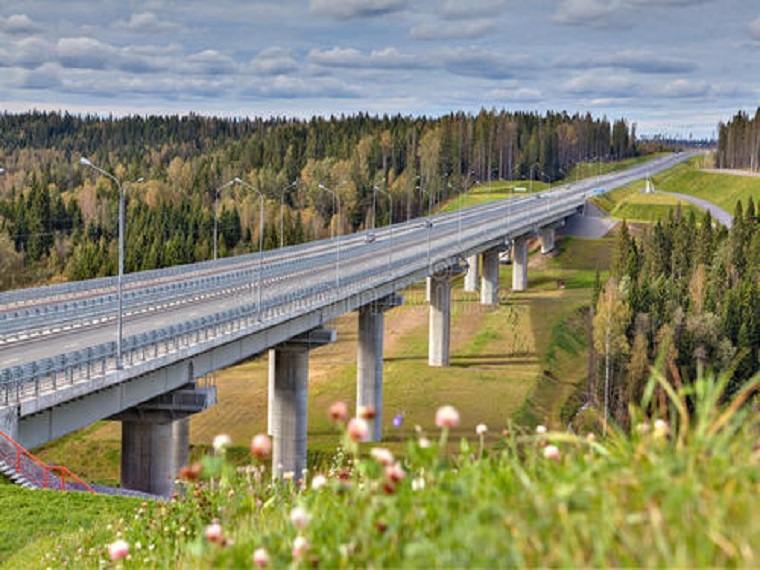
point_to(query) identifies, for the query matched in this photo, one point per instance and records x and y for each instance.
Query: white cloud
(47, 76)
(599, 84)
(209, 62)
(464, 9)
(388, 58)
(586, 12)
(754, 28)
(19, 24)
(273, 61)
(471, 29)
(475, 62)
(633, 60)
(685, 88)
(85, 53)
(351, 9)
(145, 22)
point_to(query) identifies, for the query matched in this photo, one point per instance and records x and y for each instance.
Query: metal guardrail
(363, 268)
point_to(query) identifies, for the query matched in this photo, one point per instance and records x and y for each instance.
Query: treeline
(685, 292)
(58, 219)
(739, 142)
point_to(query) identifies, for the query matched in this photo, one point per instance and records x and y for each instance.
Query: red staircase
(28, 471)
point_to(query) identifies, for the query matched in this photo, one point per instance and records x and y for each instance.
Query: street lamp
(119, 328)
(282, 212)
(261, 241)
(216, 208)
(336, 198)
(390, 222)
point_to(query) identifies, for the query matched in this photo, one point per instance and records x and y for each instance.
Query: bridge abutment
(520, 263)
(289, 383)
(471, 277)
(369, 370)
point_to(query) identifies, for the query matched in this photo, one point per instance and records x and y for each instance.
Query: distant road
(719, 214)
(749, 173)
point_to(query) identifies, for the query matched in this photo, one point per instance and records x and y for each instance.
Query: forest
(59, 220)
(739, 142)
(684, 295)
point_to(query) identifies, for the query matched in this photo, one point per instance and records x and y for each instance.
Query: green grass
(683, 494)
(630, 203)
(41, 517)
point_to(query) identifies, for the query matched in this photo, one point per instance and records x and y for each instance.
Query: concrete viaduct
(58, 367)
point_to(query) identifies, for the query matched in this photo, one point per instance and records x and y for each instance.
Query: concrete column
(520, 264)
(181, 442)
(489, 293)
(289, 381)
(148, 454)
(289, 409)
(428, 288)
(471, 277)
(270, 391)
(369, 358)
(440, 321)
(547, 239)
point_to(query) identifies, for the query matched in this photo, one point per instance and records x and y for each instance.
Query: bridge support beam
(439, 345)
(520, 263)
(155, 438)
(288, 400)
(471, 277)
(369, 371)
(548, 235)
(489, 291)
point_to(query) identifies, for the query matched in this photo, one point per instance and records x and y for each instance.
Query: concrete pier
(288, 400)
(489, 291)
(520, 264)
(440, 320)
(547, 234)
(471, 277)
(369, 370)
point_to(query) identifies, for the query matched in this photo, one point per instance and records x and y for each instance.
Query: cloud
(471, 29)
(28, 53)
(636, 61)
(209, 62)
(686, 89)
(47, 76)
(462, 10)
(273, 61)
(598, 84)
(388, 58)
(586, 12)
(285, 87)
(146, 22)
(85, 53)
(754, 28)
(19, 24)
(474, 62)
(353, 9)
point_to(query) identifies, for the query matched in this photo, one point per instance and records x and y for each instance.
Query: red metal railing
(36, 471)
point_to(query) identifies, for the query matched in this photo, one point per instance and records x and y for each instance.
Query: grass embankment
(676, 493)
(630, 203)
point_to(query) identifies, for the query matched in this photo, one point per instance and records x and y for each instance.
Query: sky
(673, 67)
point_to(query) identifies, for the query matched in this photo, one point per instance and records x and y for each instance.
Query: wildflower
(339, 412)
(643, 428)
(395, 472)
(590, 437)
(261, 558)
(222, 442)
(358, 429)
(418, 484)
(552, 452)
(214, 532)
(446, 417)
(382, 455)
(398, 419)
(540, 430)
(299, 517)
(118, 549)
(318, 482)
(424, 443)
(300, 547)
(481, 429)
(366, 412)
(261, 446)
(661, 428)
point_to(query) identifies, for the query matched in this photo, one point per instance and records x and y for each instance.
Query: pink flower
(552, 452)
(382, 455)
(299, 517)
(214, 532)
(318, 482)
(339, 412)
(358, 429)
(261, 558)
(222, 442)
(118, 550)
(540, 430)
(261, 446)
(481, 429)
(446, 417)
(300, 547)
(395, 472)
(366, 412)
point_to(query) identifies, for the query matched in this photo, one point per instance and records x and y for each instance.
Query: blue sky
(672, 66)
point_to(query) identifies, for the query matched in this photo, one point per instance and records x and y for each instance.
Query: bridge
(61, 367)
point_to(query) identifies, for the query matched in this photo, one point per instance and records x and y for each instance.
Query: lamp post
(216, 209)
(261, 241)
(282, 212)
(390, 222)
(119, 325)
(336, 198)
